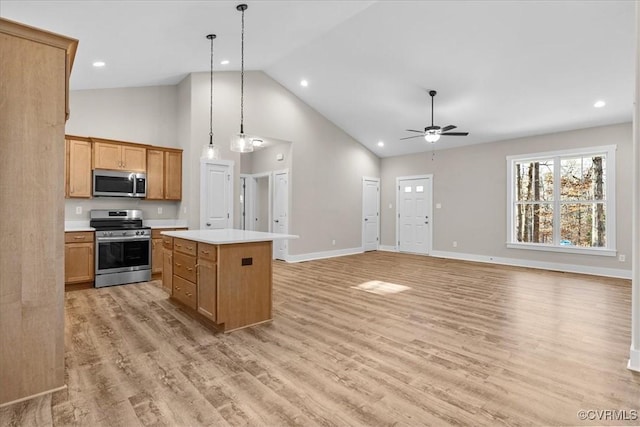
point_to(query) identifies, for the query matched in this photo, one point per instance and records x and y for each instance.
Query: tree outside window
(561, 199)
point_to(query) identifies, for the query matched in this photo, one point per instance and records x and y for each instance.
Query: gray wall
(146, 115)
(327, 165)
(470, 184)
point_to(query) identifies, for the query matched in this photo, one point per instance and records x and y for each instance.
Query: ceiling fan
(432, 133)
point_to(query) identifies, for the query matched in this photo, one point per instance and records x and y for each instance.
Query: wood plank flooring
(467, 344)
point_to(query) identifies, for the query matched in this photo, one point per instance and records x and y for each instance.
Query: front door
(216, 195)
(280, 213)
(414, 215)
(370, 213)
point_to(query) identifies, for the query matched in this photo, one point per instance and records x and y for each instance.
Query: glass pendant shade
(209, 152)
(432, 137)
(241, 143)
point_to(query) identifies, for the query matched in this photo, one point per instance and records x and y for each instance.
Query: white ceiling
(502, 69)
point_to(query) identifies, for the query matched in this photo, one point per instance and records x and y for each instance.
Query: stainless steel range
(123, 247)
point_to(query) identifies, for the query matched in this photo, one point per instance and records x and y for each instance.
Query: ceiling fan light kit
(432, 133)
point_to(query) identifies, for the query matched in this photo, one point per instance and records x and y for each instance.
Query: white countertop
(227, 236)
(77, 226)
(165, 223)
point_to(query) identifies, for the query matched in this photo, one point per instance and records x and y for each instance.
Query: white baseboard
(634, 360)
(568, 268)
(323, 255)
(387, 248)
(33, 396)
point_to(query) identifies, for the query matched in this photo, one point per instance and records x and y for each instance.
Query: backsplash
(150, 208)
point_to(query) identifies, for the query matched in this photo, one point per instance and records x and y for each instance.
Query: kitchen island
(224, 277)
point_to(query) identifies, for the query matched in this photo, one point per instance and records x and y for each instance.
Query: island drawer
(184, 291)
(207, 252)
(184, 266)
(185, 246)
(78, 236)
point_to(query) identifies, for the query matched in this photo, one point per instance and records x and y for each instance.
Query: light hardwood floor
(466, 344)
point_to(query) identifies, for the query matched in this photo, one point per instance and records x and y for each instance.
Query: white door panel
(215, 210)
(281, 213)
(370, 213)
(414, 229)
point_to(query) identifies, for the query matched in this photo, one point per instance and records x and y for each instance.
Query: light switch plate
(78, 210)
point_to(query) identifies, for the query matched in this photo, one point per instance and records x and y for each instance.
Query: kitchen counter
(224, 277)
(165, 223)
(70, 226)
(227, 236)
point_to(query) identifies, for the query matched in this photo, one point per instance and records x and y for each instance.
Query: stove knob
(111, 233)
(138, 233)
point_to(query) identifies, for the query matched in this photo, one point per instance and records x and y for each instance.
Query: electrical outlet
(333, 242)
(159, 211)
(390, 205)
(455, 244)
(184, 210)
(622, 258)
(78, 210)
(438, 206)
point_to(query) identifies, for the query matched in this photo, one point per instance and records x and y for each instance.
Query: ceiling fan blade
(413, 130)
(455, 134)
(447, 128)
(409, 137)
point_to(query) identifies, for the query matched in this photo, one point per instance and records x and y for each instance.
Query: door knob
(276, 220)
(366, 219)
(208, 224)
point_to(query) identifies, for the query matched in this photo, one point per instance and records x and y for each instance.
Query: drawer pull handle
(178, 264)
(177, 288)
(188, 294)
(190, 248)
(205, 252)
(178, 245)
(79, 237)
(189, 269)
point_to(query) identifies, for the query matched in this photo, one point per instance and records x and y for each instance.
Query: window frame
(609, 151)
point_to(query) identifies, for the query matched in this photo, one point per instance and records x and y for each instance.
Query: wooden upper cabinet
(155, 174)
(115, 156)
(173, 175)
(164, 174)
(134, 158)
(77, 167)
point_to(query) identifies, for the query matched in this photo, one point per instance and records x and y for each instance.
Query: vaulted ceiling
(502, 69)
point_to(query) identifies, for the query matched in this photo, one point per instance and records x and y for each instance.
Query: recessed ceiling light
(99, 64)
(380, 144)
(304, 83)
(599, 104)
(224, 62)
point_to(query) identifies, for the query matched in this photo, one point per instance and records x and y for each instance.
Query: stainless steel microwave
(119, 184)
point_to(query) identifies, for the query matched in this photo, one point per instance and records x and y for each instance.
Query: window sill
(563, 249)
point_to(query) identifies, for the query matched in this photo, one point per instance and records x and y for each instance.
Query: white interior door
(370, 213)
(414, 214)
(216, 193)
(280, 212)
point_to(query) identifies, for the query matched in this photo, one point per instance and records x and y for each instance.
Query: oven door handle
(121, 239)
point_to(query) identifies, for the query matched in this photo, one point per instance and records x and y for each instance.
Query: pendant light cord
(242, 75)
(211, 37)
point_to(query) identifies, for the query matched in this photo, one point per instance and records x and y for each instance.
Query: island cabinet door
(207, 289)
(167, 270)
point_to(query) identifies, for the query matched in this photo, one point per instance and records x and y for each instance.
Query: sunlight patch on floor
(381, 288)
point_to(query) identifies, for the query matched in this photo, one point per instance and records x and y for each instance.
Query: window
(562, 201)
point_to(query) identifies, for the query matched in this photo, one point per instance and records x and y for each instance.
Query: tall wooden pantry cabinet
(34, 84)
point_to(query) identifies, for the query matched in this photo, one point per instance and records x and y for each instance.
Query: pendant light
(210, 151)
(242, 143)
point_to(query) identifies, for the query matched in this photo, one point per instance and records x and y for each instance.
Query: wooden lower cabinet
(207, 284)
(158, 245)
(167, 270)
(232, 284)
(79, 257)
